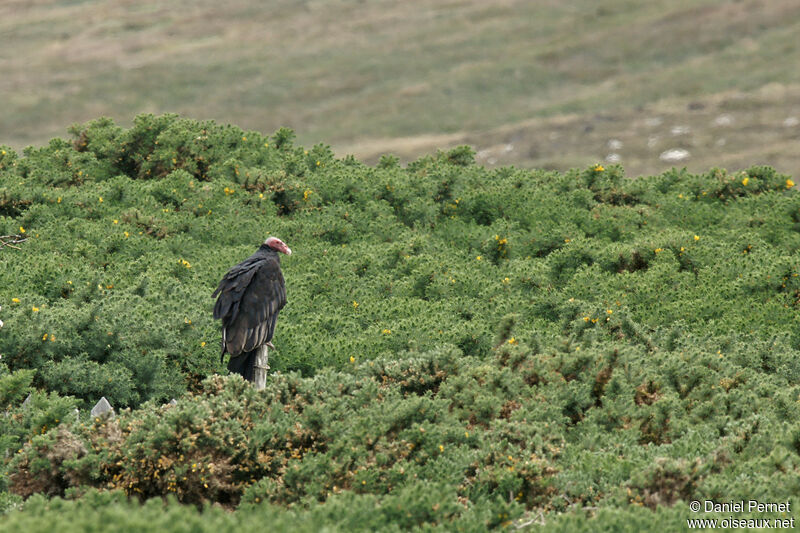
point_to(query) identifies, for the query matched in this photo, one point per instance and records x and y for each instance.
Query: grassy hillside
(464, 348)
(544, 84)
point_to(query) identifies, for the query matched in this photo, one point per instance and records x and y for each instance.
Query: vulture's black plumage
(250, 296)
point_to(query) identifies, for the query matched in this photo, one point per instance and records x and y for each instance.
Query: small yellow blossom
(202, 344)
(58, 201)
(244, 139)
(15, 300)
(52, 338)
(441, 447)
(306, 194)
(228, 191)
(586, 319)
(35, 309)
(505, 280)
(478, 258)
(126, 234)
(789, 184)
(21, 229)
(261, 195)
(512, 340)
(745, 181)
(318, 163)
(185, 263)
(116, 221)
(609, 311)
(44, 337)
(566, 240)
(355, 304)
(657, 250)
(100, 199)
(598, 168)
(696, 237)
(386, 331)
(352, 359)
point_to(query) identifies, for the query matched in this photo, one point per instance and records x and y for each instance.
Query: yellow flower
(609, 311)
(15, 300)
(598, 168)
(512, 340)
(657, 250)
(116, 221)
(59, 200)
(100, 199)
(441, 448)
(355, 304)
(35, 309)
(386, 331)
(318, 163)
(244, 139)
(44, 337)
(202, 344)
(697, 238)
(745, 181)
(21, 229)
(306, 193)
(505, 280)
(478, 258)
(126, 234)
(789, 184)
(352, 359)
(566, 240)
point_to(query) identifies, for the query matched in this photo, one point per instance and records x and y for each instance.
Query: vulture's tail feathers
(244, 364)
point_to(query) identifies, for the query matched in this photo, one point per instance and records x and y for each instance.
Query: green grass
(365, 77)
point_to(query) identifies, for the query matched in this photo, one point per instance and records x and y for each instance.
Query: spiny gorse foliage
(462, 347)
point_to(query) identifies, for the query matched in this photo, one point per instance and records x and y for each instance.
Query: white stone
(654, 121)
(680, 130)
(723, 120)
(613, 158)
(791, 122)
(674, 155)
(614, 144)
(102, 407)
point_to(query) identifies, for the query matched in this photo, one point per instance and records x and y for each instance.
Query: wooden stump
(262, 367)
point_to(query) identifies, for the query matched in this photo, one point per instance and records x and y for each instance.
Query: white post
(262, 367)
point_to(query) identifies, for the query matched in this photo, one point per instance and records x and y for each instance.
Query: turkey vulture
(250, 296)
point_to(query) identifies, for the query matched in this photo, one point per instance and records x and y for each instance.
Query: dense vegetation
(463, 348)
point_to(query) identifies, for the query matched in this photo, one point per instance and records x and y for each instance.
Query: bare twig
(11, 240)
(537, 520)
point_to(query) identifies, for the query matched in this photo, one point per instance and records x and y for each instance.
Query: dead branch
(11, 240)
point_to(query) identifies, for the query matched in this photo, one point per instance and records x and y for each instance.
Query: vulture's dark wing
(250, 296)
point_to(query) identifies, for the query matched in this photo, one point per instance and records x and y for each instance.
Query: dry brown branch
(11, 240)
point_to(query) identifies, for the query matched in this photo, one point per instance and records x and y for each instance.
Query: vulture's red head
(278, 245)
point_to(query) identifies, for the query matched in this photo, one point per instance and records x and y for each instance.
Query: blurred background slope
(541, 83)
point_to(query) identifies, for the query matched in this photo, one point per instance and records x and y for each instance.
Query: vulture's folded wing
(257, 295)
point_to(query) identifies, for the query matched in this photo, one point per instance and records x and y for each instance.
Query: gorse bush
(462, 348)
